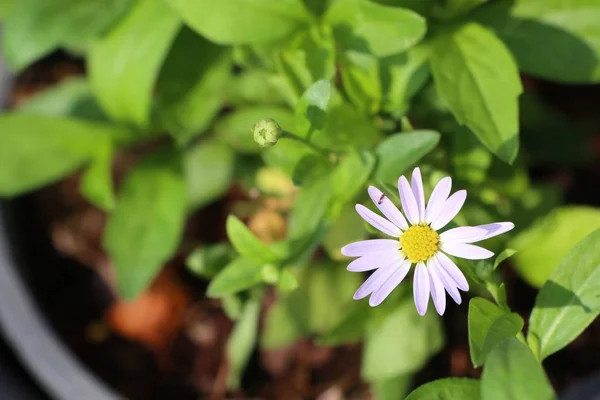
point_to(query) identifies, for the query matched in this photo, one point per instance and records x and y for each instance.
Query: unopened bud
(266, 132)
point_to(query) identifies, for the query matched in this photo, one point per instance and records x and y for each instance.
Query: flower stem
(288, 135)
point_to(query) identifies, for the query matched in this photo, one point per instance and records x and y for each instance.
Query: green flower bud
(267, 132)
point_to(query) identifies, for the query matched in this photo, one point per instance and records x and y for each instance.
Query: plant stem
(288, 135)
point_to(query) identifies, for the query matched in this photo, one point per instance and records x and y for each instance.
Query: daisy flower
(418, 241)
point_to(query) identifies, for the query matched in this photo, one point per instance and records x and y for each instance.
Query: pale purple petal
(409, 204)
(388, 208)
(377, 222)
(373, 261)
(451, 207)
(421, 288)
(495, 229)
(467, 251)
(463, 234)
(358, 249)
(438, 293)
(417, 188)
(384, 291)
(446, 280)
(376, 279)
(446, 264)
(437, 199)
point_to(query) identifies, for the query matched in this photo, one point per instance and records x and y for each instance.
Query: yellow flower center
(419, 243)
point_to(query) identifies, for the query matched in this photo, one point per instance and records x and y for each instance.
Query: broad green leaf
(97, 180)
(191, 85)
(147, 223)
(569, 300)
(236, 128)
(285, 155)
(402, 343)
(347, 228)
(362, 82)
(242, 341)
(310, 168)
(309, 209)
(470, 160)
(402, 76)
(207, 261)
(541, 247)
(38, 150)
(209, 167)
(248, 245)
(35, 28)
(350, 176)
(399, 152)
(124, 65)
(512, 372)
(238, 275)
(447, 389)
(253, 87)
(373, 28)
(232, 306)
(489, 325)
(551, 39)
(351, 328)
(302, 312)
(455, 8)
(312, 108)
(242, 21)
(393, 388)
(69, 98)
(287, 281)
(476, 75)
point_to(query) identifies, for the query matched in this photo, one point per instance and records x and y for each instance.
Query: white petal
(388, 208)
(437, 199)
(463, 234)
(446, 280)
(452, 270)
(495, 229)
(373, 261)
(358, 249)
(377, 222)
(438, 293)
(376, 279)
(384, 291)
(451, 207)
(421, 288)
(467, 251)
(409, 204)
(417, 188)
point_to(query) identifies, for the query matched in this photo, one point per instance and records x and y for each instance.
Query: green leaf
(512, 372)
(191, 89)
(209, 167)
(447, 389)
(489, 325)
(362, 82)
(541, 247)
(242, 341)
(387, 353)
(553, 39)
(399, 152)
(569, 300)
(238, 275)
(476, 75)
(287, 281)
(309, 209)
(347, 228)
(506, 253)
(310, 168)
(125, 64)
(248, 245)
(34, 29)
(393, 388)
(373, 28)
(236, 128)
(97, 180)
(71, 97)
(312, 107)
(302, 312)
(147, 223)
(455, 8)
(402, 76)
(242, 21)
(207, 261)
(348, 178)
(470, 160)
(350, 329)
(38, 150)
